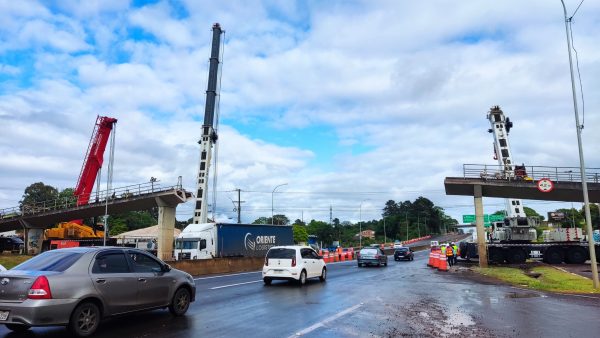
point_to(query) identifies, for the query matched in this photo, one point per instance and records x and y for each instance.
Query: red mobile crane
(68, 234)
(93, 159)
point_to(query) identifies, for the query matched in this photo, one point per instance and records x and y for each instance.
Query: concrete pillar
(166, 226)
(481, 237)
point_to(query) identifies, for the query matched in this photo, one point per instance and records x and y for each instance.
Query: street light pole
(360, 224)
(578, 127)
(272, 205)
(384, 234)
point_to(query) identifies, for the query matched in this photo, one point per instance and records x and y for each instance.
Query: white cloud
(403, 87)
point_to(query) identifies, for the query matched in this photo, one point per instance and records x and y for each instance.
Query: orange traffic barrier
(430, 263)
(443, 264)
(343, 256)
(436, 259)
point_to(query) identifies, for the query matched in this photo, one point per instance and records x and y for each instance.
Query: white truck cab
(196, 241)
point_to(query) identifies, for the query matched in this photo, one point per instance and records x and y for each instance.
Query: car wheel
(302, 279)
(385, 264)
(412, 258)
(17, 327)
(359, 265)
(180, 303)
(84, 319)
(267, 281)
(323, 275)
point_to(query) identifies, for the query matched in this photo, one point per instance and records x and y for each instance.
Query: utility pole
(239, 206)
(578, 127)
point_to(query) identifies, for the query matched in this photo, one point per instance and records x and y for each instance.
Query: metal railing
(556, 174)
(96, 198)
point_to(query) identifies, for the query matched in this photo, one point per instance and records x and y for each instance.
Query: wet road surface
(404, 299)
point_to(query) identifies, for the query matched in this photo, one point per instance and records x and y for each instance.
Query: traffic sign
(487, 219)
(545, 185)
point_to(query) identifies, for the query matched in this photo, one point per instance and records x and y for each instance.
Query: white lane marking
(233, 274)
(322, 323)
(230, 285)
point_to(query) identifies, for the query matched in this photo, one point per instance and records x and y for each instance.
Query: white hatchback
(293, 262)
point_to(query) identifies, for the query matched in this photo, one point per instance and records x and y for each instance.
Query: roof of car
(291, 247)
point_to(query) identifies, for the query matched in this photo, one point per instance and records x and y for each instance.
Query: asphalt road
(403, 299)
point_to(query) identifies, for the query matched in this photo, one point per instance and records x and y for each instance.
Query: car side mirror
(320, 257)
(166, 268)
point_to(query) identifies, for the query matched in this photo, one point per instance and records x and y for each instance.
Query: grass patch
(548, 279)
(10, 261)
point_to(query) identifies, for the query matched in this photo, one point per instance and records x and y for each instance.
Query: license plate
(278, 271)
(4, 315)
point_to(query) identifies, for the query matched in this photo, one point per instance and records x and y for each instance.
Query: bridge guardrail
(96, 197)
(556, 174)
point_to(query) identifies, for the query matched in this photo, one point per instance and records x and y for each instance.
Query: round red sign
(545, 185)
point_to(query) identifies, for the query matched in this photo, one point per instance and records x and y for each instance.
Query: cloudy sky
(351, 103)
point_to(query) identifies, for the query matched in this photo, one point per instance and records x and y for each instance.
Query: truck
(515, 239)
(219, 240)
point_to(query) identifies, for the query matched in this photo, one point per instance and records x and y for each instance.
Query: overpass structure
(145, 196)
(481, 180)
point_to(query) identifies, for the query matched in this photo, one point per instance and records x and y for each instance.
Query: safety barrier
(416, 239)
(438, 261)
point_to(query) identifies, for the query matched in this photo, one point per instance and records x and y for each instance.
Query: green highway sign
(487, 219)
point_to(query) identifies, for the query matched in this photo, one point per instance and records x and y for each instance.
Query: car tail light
(266, 261)
(293, 262)
(40, 289)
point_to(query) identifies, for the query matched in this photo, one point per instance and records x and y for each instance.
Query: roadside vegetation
(9, 261)
(544, 278)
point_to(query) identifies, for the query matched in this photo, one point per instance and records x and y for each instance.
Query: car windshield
(58, 261)
(368, 251)
(281, 253)
(402, 249)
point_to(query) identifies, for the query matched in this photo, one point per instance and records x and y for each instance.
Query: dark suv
(403, 253)
(11, 243)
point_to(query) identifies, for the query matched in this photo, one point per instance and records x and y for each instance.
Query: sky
(346, 104)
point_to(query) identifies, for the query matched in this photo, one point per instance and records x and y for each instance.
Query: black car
(11, 243)
(403, 253)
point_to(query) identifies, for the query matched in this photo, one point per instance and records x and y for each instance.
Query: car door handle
(100, 280)
(141, 279)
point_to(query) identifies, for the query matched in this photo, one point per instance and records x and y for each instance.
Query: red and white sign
(545, 185)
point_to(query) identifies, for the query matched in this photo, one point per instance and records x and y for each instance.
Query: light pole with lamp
(578, 127)
(384, 234)
(360, 223)
(272, 206)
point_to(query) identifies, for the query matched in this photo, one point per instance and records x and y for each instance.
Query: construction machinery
(516, 226)
(209, 132)
(75, 233)
(513, 240)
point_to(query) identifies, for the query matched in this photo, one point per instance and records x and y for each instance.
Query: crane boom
(501, 126)
(94, 158)
(209, 135)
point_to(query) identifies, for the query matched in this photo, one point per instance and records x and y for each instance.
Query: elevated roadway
(132, 198)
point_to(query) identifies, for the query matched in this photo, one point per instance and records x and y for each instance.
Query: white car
(397, 245)
(293, 262)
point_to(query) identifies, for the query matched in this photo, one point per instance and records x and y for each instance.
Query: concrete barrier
(199, 267)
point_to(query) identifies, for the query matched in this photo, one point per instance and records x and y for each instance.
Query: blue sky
(345, 101)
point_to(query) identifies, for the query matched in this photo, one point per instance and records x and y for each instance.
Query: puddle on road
(522, 295)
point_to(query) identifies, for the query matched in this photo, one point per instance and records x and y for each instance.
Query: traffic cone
(430, 263)
(443, 264)
(436, 259)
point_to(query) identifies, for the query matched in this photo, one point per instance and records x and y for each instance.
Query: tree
(38, 193)
(299, 222)
(280, 220)
(532, 213)
(300, 234)
(322, 230)
(116, 227)
(262, 220)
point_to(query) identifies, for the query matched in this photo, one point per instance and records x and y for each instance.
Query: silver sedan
(77, 287)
